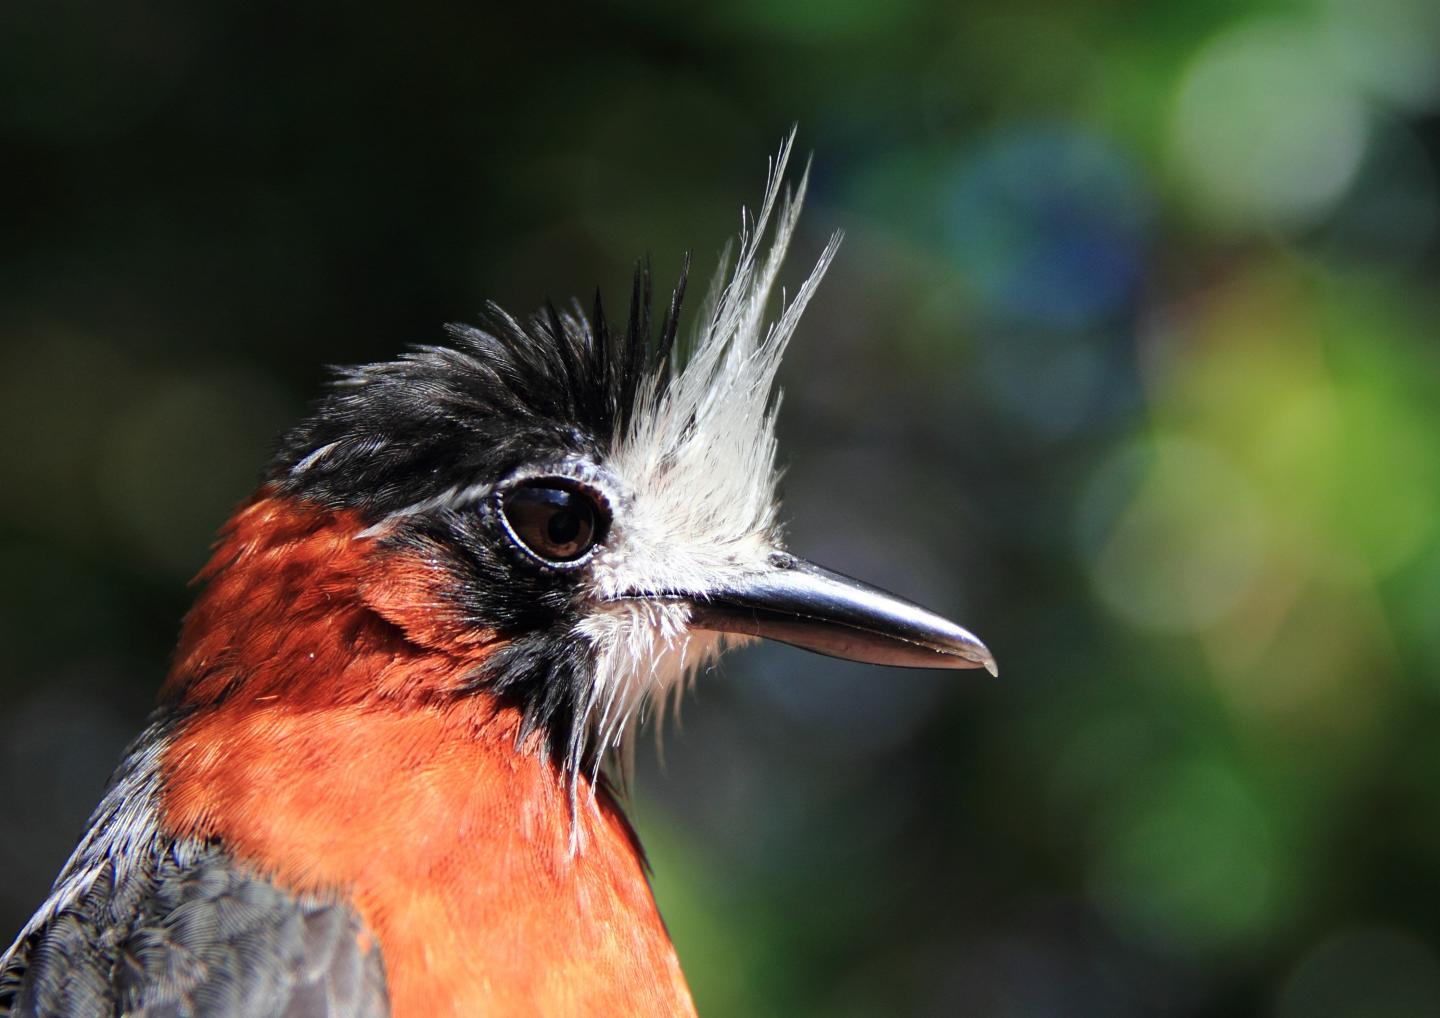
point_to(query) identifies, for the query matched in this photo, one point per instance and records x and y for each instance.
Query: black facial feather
(542, 669)
(403, 441)
(550, 679)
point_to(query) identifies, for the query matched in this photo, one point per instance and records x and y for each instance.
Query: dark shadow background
(1129, 363)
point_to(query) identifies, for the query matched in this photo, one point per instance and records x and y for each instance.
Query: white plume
(701, 475)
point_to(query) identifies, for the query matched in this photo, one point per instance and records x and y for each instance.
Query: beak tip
(991, 666)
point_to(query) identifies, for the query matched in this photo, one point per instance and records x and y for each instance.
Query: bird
(381, 777)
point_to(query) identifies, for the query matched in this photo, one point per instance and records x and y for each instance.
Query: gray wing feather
(144, 927)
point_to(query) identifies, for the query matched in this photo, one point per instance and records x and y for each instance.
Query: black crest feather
(390, 435)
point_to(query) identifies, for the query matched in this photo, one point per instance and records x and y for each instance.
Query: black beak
(799, 603)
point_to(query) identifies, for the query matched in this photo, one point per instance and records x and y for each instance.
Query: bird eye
(555, 524)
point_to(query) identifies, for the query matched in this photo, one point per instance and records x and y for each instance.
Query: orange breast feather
(321, 755)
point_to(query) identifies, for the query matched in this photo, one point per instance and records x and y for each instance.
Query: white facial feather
(701, 477)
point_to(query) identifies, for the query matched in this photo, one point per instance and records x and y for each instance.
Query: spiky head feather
(678, 439)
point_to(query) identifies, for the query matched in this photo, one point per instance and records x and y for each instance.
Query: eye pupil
(553, 523)
(564, 527)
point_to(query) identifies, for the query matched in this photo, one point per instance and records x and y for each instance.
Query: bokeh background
(1129, 362)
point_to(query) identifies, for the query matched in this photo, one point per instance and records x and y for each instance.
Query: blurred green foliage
(1129, 362)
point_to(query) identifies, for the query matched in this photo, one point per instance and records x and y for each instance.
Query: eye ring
(556, 521)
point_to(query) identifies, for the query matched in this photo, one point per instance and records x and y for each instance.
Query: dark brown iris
(553, 523)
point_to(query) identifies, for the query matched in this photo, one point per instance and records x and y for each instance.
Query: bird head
(596, 506)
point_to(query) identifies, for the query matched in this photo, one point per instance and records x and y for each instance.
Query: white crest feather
(701, 474)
